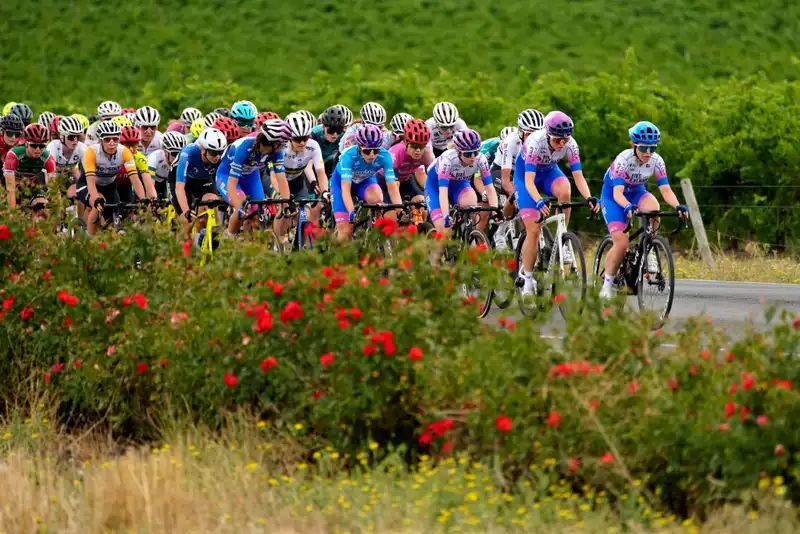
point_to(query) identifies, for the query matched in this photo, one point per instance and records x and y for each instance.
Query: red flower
(77, 363)
(368, 330)
(574, 464)
(355, 314)
(733, 389)
(66, 298)
(137, 299)
(142, 368)
(634, 386)
(277, 288)
(162, 363)
(439, 236)
(503, 423)
(344, 323)
(26, 313)
(785, 384)
(5, 233)
(606, 313)
(291, 312)
(730, 410)
(187, 247)
(796, 322)
(554, 419)
(68, 321)
(730, 357)
(47, 275)
(558, 299)
(748, 381)
(369, 350)
(659, 332)
(673, 384)
(607, 458)
(693, 370)
(425, 439)
(230, 380)
(762, 420)
(326, 359)
(744, 414)
(383, 281)
(111, 350)
(389, 349)
(507, 324)
(58, 367)
(594, 404)
(269, 363)
(8, 303)
(779, 450)
(14, 277)
(103, 244)
(385, 225)
(723, 427)
(264, 322)
(440, 428)
(705, 354)
(312, 230)
(317, 394)
(327, 272)
(472, 299)
(47, 377)
(447, 447)
(415, 354)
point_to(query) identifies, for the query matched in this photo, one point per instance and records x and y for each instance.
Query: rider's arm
(444, 175)
(129, 165)
(280, 174)
(619, 196)
(580, 183)
(183, 201)
(663, 182)
(392, 186)
(9, 169)
(574, 159)
(90, 169)
(531, 159)
(319, 166)
(668, 195)
(49, 169)
(486, 180)
(180, 181)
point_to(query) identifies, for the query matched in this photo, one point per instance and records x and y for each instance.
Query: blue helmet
(645, 133)
(243, 112)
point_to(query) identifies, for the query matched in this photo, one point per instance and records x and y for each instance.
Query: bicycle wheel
(529, 305)
(569, 278)
(475, 287)
(656, 280)
(599, 269)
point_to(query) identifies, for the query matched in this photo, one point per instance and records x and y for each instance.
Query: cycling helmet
(125, 111)
(558, 124)
(508, 130)
(208, 120)
(398, 123)
(312, 119)
(147, 116)
(335, 117)
(45, 118)
(197, 128)
(36, 133)
(122, 121)
(250, 105)
(243, 112)
(225, 112)
(108, 129)
(530, 120)
(347, 113)
(276, 130)
(69, 126)
(131, 117)
(265, 116)
(369, 136)
(373, 113)
(54, 126)
(466, 140)
(417, 132)
(173, 141)
(299, 124)
(109, 109)
(84, 121)
(212, 139)
(645, 133)
(130, 134)
(23, 112)
(12, 123)
(189, 115)
(8, 107)
(445, 114)
(228, 127)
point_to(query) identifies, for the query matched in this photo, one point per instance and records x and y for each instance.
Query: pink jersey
(175, 126)
(404, 166)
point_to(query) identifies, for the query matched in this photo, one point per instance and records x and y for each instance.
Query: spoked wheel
(599, 269)
(656, 281)
(504, 290)
(530, 305)
(569, 274)
(476, 287)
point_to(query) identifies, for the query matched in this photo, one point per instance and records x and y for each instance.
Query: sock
(528, 275)
(608, 279)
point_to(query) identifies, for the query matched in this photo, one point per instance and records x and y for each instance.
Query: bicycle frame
(560, 220)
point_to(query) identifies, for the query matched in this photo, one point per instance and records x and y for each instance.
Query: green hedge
(345, 349)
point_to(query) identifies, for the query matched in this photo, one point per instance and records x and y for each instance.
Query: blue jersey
(353, 168)
(191, 166)
(243, 158)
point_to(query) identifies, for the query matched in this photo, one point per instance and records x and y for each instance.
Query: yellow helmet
(122, 121)
(197, 128)
(8, 107)
(84, 120)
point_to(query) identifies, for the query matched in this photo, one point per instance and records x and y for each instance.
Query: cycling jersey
(329, 150)
(66, 164)
(439, 140)
(490, 148)
(449, 167)
(353, 168)
(154, 146)
(158, 167)
(105, 167)
(295, 163)
(349, 138)
(404, 166)
(91, 134)
(243, 159)
(508, 151)
(539, 156)
(626, 171)
(23, 167)
(192, 167)
(140, 161)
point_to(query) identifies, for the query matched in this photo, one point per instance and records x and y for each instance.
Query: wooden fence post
(697, 223)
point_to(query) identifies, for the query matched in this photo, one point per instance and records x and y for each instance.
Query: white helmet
(299, 124)
(173, 141)
(398, 123)
(508, 130)
(530, 120)
(109, 109)
(445, 114)
(131, 117)
(189, 115)
(212, 139)
(147, 116)
(69, 126)
(208, 120)
(310, 116)
(276, 130)
(45, 118)
(108, 129)
(373, 113)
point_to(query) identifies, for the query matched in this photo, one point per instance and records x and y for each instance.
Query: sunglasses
(245, 124)
(303, 139)
(646, 148)
(470, 153)
(110, 139)
(369, 151)
(445, 128)
(72, 137)
(415, 146)
(39, 146)
(333, 131)
(560, 140)
(213, 153)
(13, 134)
(153, 128)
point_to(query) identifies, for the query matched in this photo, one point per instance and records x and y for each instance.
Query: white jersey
(449, 167)
(155, 144)
(91, 134)
(66, 164)
(507, 151)
(349, 138)
(627, 171)
(440, 140)
(158, 166)
(296, 162)
(537, 151)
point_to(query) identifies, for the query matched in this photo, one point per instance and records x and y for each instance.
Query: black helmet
(225, 112)
(11, 123)
(335, 117)
(93, 118)
(23, 111)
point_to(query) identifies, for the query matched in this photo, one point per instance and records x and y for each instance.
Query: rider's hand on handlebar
(594, 204)
(629, 211)
(682, 210)
(447, 221)
(544, 207)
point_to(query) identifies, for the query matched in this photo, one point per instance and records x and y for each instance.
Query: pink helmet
(369, 136)
(558, 124)
(466, 140)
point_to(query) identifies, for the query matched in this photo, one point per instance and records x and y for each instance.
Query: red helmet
(130, 134)
(54, 126)
(228, 127)
(265, 116)
(417, 132)
(35, 133)
(125, 111)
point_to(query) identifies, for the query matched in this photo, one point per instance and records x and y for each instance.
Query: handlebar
(647, 215)
(561, 206)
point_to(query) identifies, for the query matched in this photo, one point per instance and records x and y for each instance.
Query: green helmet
(8, 107)
(198, 125)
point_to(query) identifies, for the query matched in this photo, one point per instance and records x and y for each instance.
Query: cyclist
(624, 191)
(229, 128)
(449, 178)
(105, 111)
(265, 116)
(537, 169)
(397, 125)
(354, 176)
(195, 130)
(239, 177)
(410, 158)
(328, 133)
(188, 116)
(490, 149)
(85, 122)
(302, 157)
(31, 165)
(68, 150)
(12, 128)
(130, 137)
(371, 113)
(163, 163)
(45, 119)
(244, 113)
(225, 112)
(208, 120)
(147, 119)
(443, 125)
(23, 111)
(101, 163)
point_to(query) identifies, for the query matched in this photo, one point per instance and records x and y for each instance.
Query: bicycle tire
(580, 264)
(605, 245)
(477, 238)
(655, 243)
(529, 311)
